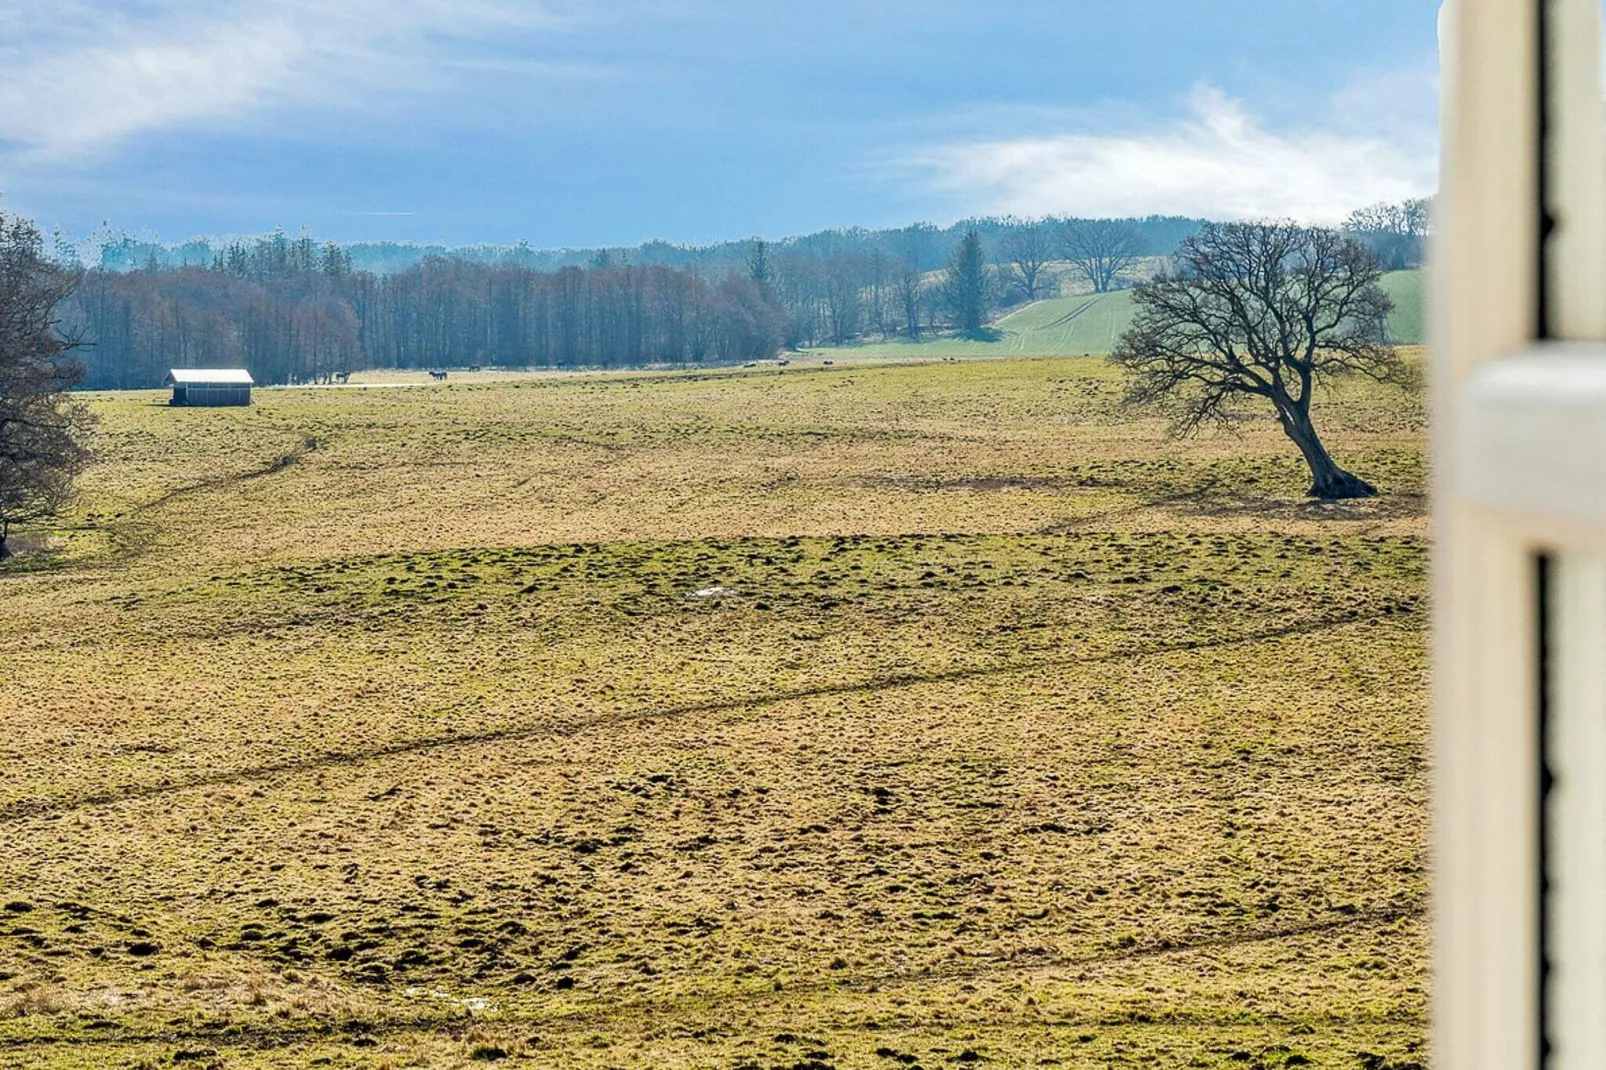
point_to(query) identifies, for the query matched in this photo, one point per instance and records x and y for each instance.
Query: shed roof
(209, 377)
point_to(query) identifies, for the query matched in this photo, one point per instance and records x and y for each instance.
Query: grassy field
(1408, 323)
(866, 716)
(1091, 323)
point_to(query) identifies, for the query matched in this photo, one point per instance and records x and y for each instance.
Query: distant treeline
(292, 311)
(924, 244)
(1397, 234)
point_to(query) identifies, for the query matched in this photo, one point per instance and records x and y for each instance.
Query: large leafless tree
(1100, 250)
(844, 297)
(1260, 312)
(1027, 253)
(42, 426)
(912, 294)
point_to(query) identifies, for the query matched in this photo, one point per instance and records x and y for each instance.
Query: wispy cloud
(91, 75)
(1217, 160)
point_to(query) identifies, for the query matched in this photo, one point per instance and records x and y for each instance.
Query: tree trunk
(1328, 480)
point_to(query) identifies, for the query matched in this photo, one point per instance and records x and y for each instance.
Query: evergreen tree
(966, 284)
(758, 263)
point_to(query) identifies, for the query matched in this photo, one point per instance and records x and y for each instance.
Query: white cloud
(93, 74)
(1216, 161)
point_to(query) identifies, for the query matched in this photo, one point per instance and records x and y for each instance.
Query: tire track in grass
(131, 536)
(128, 545)
(1009, 967)
(26, 808)
(234, 1035)
(1071, 315)
(307, 444)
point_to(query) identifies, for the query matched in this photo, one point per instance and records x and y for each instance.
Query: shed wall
(208, 394)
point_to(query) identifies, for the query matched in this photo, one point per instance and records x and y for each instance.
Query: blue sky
(580, 123)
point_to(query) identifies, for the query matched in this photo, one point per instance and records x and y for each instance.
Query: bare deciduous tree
(844, 297)
(1027, 252)
(1396, 233)
(878, 307)
(911, 289)
(1100, 249)
(41, 424)
(1260, 310)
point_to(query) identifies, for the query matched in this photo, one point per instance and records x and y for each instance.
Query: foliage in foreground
(42, 428)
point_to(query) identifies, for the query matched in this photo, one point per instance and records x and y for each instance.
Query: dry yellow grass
(851, 717)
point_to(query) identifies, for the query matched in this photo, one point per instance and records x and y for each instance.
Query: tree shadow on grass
(982, 334)
(28, 553)
(1225, 499)
(1239, 501)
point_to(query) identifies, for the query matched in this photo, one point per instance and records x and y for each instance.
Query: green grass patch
(1093, 323)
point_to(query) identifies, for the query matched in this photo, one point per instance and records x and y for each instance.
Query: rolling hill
(1091, 323)
(1408, 324)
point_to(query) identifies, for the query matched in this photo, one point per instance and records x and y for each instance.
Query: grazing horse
(437, 375)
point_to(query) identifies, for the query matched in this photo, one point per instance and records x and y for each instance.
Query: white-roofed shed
(210, 386)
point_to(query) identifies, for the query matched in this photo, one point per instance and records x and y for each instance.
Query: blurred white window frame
(1519, 367)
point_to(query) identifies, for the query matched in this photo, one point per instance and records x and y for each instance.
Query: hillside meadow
(1083, 323)
(866, 716)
